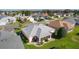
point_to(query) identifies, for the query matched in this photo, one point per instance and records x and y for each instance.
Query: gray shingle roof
(9, 40)
(28, 29)
(70, 20)
(39, 30)
(2, 16)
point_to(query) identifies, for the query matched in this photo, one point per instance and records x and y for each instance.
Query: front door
(35, 39)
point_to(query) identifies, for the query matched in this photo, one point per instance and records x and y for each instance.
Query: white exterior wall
(31, 19)
(11, 18)
(30, 39)
(5, 20)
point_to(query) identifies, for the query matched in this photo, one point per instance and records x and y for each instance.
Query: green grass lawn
(70, 41)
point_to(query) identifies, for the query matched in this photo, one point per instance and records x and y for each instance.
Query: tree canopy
(61, 32)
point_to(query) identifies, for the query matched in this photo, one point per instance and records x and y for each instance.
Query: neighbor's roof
(56, 24)
(2, 16)
(59, 23)
(9, 40)
(70, 20)
(6, 16)
(39, 30)
(4, 19)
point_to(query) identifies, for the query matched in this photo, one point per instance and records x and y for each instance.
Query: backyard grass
(68, 42)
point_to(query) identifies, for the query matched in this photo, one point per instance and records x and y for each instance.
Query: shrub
(77, 34)
(61, 32)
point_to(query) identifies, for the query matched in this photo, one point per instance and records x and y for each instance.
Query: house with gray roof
(77, 20)
(6, 19)
(9, 40)
(70, 20)
(36, 32)
(40, 16)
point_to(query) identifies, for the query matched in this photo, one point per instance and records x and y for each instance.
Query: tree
(27, 12)
(61, 32)
(76, 12)
(49, 12)
(67, 11)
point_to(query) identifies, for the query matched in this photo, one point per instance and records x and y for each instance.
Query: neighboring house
(36, 16)
(77, 21)
(70, 20)
(59, 23)
(68, 14)
(61, 14)
(36, 32)
(21, 17)
(3, 14)
(10, 40)
(58, 15)
(31, 19)
(40, 16)
(45, 15)
(6, 19)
